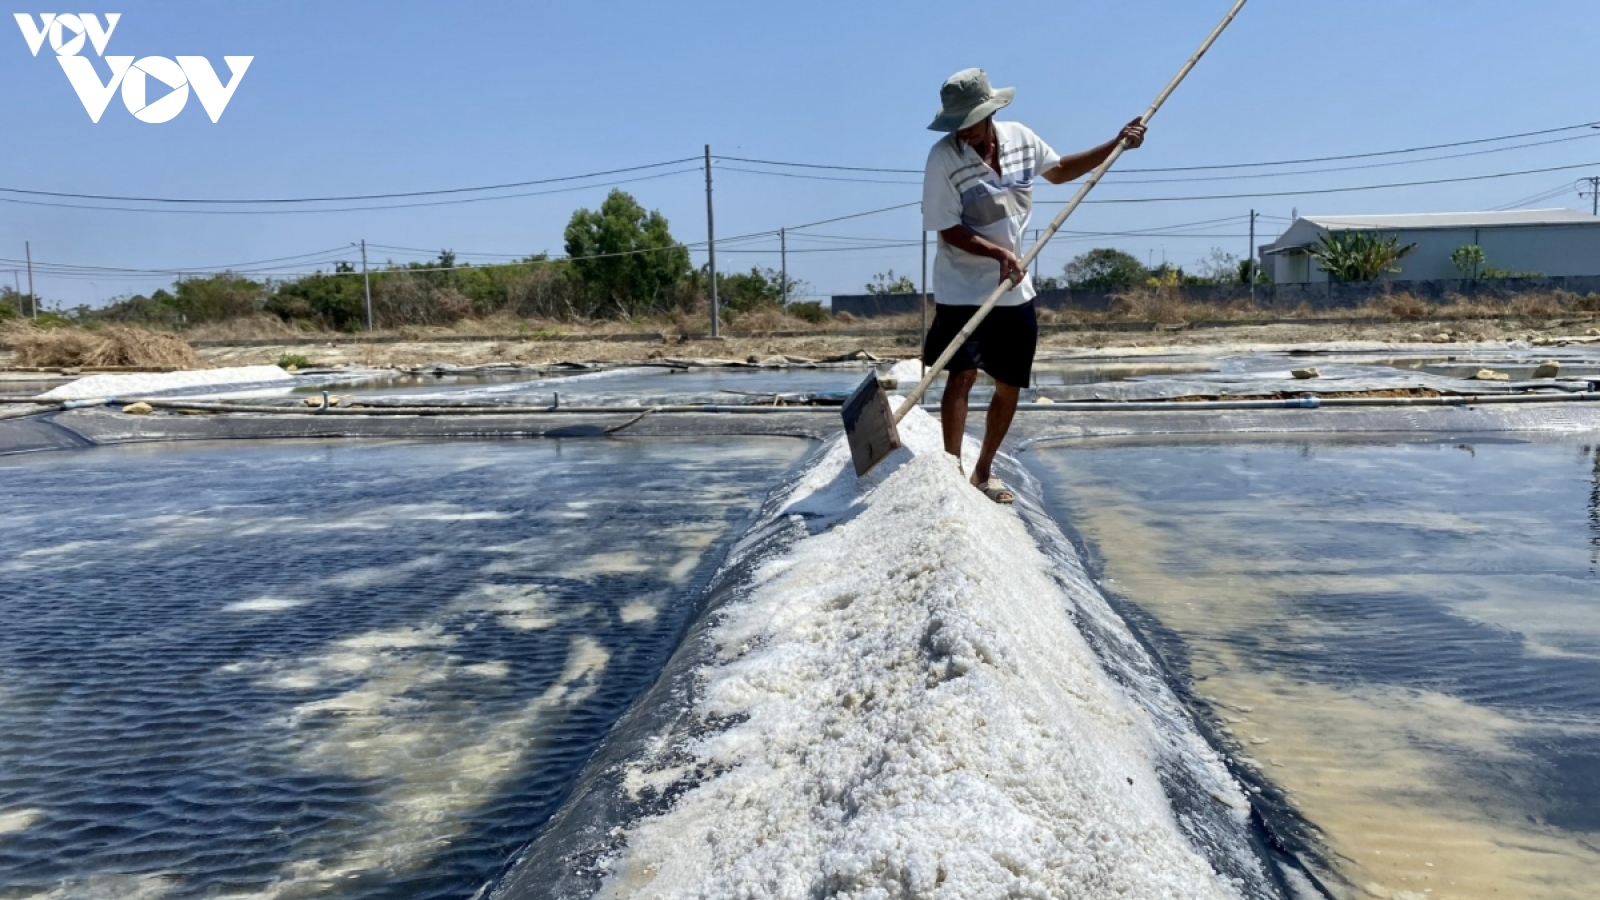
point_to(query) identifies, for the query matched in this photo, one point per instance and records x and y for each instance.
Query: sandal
(997, 492)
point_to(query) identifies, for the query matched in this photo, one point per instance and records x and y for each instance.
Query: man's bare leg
(1001, 410)
(953, 409)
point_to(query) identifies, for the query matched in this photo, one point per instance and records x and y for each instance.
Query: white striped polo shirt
(959, 188)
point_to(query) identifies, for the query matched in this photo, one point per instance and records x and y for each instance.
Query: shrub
(811, 311)
(1406, 307)
(1490, 272)
(293, 361)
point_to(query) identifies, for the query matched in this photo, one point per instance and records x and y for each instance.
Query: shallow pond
(352, 670)
(1401, 638)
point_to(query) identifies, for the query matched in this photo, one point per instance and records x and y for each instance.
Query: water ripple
(279, 670)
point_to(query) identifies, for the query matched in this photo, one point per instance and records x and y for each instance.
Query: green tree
(1250, 270)
(1360, 255)
(336, 301)
(160, 308)
(216, 298)
(1104, 268)
(11, 304)
(626, 257)
(745, 291)
(1468, 259)
(889, 283)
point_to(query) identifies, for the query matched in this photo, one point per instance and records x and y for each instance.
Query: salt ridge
(914, 714)
(143, 384)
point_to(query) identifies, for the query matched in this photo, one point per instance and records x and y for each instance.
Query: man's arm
(963, 238)
(1080, 164)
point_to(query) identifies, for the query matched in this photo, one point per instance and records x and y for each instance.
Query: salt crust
(905, 373)
(143, 384)
(914, 715)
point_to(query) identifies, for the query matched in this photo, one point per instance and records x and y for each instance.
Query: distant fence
(1329, 295)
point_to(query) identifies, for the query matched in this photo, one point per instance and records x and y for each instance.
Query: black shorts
(1002, 346)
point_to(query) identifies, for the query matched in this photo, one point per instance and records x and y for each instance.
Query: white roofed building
(1549, 242)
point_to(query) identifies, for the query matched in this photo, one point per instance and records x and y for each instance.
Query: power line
(800, 165)
(1153, 231)
(884, 246)
(1292, 193)
(66, 269)
(867, 242)
(870, 212)
(113, 270)
(1114, 179)
(1339, 190)
(812, 177)
(1360, 168)
(347, 197)
(280, 212)
(1371, 155)
(1535, 198)
(342, 198)
(236, 268)
(1282, 162)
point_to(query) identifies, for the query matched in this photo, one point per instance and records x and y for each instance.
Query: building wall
(1553, 250)
(1284, 297)
(1550, 250)
(1431, 259)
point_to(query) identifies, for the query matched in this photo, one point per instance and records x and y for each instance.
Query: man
(977, 193)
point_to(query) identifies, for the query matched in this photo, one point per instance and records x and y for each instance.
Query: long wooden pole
(1061, 218)
(922, 302)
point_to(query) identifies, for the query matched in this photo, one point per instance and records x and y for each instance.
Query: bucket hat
(968, 99)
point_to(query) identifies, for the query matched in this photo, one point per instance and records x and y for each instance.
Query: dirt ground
(883, 341)
(835, 344)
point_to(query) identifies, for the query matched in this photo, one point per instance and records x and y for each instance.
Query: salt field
(353, 670)
(1399, 638)
(894, 700)
(665, 643)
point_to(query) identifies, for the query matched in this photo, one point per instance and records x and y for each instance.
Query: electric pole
(1035, 260)
(1250, 269)
(1593, 192)
(783, 262)
(711, 252)
(33, 299)
(366, 282)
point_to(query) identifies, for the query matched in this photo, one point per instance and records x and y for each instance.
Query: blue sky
(370, 97)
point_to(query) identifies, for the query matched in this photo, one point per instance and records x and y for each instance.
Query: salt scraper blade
(869, 425)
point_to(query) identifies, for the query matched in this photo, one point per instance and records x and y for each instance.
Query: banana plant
(1360, 255)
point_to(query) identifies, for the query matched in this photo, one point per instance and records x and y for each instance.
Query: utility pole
(924, 304)
(1593, 192)
(1035, 259)
(1251, 268)
(366, 281)
(711, 252)
(783, 257)
(33, 299)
